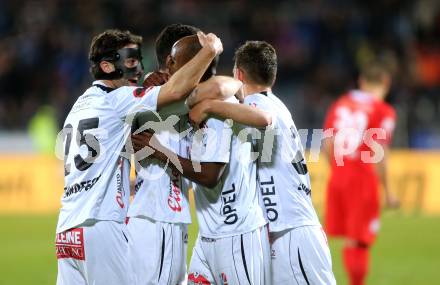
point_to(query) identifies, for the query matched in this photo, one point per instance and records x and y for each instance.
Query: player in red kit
(361, 126)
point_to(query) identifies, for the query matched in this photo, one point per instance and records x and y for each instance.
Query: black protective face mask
(121, 71)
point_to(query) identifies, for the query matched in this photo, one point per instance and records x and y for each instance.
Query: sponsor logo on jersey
(120, 188)
(174, 197)
(70, 244)
(268, 192)
(228, 198)
(79, 187)
(195, 278)
(138, 186)
(303, 187)
(205, 239)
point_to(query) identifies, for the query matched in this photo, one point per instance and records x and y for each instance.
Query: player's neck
(107, 83)
(249, 89)
(375, 92)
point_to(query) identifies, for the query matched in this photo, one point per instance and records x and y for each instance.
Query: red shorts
(352, 208)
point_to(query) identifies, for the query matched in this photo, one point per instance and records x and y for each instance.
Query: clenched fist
(211, 42)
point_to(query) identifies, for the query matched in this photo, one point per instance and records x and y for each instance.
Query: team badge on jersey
(141, 91)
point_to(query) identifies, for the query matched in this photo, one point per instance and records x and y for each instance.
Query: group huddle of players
(229, 138)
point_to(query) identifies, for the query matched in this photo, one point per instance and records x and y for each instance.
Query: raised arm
(186, 78)
(240, 113)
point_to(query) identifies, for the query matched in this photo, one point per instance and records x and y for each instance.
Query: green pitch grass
(407, 251)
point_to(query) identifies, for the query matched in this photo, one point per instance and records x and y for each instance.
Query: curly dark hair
(167, 37)
(107, 43)
(258, 59)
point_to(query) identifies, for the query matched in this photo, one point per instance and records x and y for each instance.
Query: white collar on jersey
(101, 85)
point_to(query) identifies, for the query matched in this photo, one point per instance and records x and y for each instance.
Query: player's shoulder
(385, 109)
(135, 91)
(342, 99)
(91, 98)
(255, 99)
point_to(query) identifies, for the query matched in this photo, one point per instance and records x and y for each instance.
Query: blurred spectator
(320, 45)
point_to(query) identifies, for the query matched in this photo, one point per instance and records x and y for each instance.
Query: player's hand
(155, 78)
(199, 112)
(143, 139)
(391, 201)
(211, 42)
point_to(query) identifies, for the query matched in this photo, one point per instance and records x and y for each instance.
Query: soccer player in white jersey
(232, 247)
(91, 239)
(159, 213)
(300, 254)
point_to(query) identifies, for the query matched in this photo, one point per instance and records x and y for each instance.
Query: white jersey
(282, 171)
(161, 192)
(232, 207)
(97, 177)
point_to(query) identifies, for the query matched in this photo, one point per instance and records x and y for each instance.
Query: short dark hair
(109, 42)
(168, 36)
(259, 61)
(374, 72)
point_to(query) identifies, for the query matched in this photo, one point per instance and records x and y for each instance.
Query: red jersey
(361, 125)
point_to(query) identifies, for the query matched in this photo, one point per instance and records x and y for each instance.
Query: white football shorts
(301, 256)
(240, 259)
(95, 254)
(157, 251)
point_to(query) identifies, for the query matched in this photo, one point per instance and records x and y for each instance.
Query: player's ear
(169, 62)
(239, 74)
(106, 66)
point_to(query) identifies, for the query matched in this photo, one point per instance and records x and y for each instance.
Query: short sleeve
(212, 142)
(129, 100)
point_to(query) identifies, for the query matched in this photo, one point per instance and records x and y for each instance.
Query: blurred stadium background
(320, 44)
